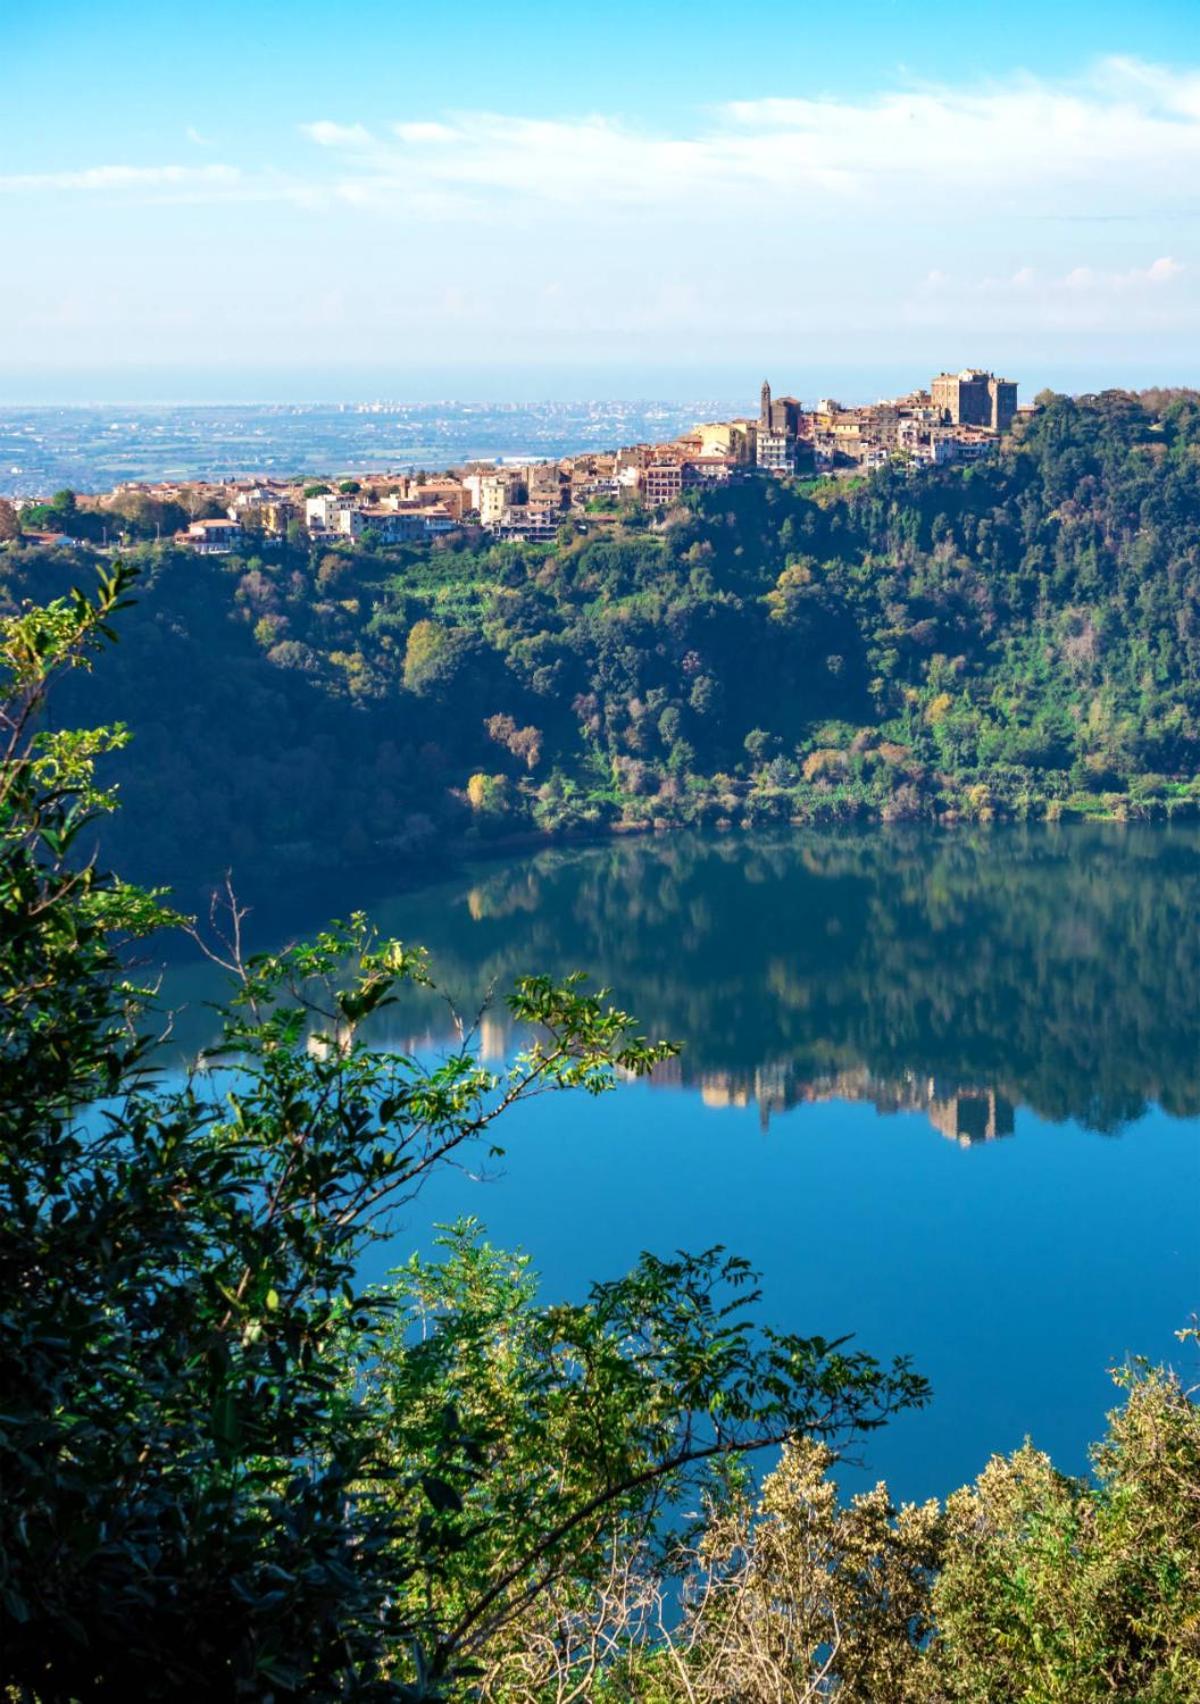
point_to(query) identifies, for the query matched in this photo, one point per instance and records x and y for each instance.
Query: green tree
(1027, 1587)
(1056, 1588)
(202, 1495)
(437, 659)
(489, 795)
(582, 1427)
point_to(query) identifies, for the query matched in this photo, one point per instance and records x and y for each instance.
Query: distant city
(94, 448)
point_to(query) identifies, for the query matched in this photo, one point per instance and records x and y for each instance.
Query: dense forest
(1018, 638)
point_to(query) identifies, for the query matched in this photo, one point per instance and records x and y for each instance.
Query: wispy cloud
(1029, 145)
(118, 179)
(1082, 297)
(1124, 137)
(1158, 274)
(1154, 276)
(1024, 206)
(326, 134)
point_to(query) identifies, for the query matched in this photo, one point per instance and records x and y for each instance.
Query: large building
(664, 481)
(779, 422)
(777, 452)
(732, 438)
(975, 398)
(779, 415)
(962, 398)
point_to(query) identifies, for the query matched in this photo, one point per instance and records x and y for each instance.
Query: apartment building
(663, 481)
(775, 452)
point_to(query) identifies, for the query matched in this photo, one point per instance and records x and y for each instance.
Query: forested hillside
(1018, 638)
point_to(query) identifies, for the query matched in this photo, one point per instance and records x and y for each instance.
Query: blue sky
(257, 200)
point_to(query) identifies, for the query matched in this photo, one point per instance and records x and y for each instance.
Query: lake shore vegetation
(1018, 639)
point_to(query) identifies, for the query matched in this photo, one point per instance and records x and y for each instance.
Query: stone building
(975, 398)
(962, 398)
(782, 414)
(1002, 394)
(664, 481)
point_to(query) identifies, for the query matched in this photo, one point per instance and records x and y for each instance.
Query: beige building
(448, 494)
(493, 494)
(731, 438)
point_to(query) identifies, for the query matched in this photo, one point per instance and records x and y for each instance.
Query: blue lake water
(943, 1089)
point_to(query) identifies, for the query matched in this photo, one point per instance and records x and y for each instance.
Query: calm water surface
(942, 1088)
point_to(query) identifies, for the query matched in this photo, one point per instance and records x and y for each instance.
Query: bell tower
(764, 412)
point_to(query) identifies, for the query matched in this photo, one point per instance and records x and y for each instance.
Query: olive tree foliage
(1074, 1591)
(1028, 1586)
(226, 1468)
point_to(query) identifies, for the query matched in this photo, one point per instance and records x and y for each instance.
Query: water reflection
(978, 982)
(962, 975)
(965, 1115)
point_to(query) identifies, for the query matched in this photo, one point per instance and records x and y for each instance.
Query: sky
(256, 201)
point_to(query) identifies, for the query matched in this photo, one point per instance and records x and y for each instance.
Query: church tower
(764, 413)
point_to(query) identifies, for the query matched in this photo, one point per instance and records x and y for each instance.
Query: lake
(941, 1087)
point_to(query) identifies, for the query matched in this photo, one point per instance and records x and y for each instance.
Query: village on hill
(960, 418)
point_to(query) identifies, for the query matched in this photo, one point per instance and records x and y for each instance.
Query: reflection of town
(967, 1114)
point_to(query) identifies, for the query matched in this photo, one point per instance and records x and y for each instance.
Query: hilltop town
(960, 418)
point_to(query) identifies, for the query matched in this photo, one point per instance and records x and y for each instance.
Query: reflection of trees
(1058, 968)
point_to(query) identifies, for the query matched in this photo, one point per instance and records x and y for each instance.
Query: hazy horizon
(525, 386)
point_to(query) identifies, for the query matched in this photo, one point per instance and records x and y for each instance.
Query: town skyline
(958, 418)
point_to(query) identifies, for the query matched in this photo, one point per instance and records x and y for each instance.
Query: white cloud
(1108, 142)
(1122, 141)
(1083, 297)
(425, 132)
(1159, 273)
(1021, 207)
(120, 178)
(327, 134)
